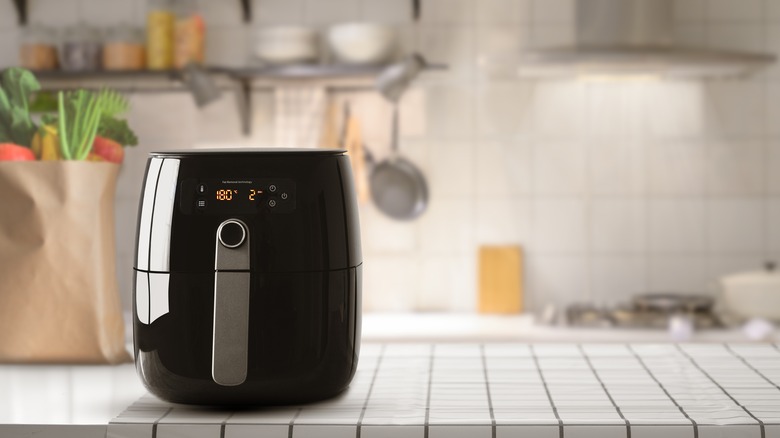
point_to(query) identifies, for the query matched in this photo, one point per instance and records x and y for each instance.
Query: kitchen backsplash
(611, 187)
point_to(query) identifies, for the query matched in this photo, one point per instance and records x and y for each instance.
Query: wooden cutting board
(351, 139)
(500, 279)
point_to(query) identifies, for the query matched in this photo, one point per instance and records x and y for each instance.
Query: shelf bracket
(21, 11)
(244, 101)
(246, 7)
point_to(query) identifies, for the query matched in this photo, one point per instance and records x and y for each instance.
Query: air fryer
(247, 276)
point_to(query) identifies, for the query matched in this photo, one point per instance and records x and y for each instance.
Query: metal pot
(753, 294)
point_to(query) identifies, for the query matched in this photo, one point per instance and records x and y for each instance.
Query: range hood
(634, 38)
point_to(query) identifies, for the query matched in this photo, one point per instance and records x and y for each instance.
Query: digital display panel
(237, 195)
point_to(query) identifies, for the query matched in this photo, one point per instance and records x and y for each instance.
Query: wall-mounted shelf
(242, 80)
(333, 76)
(246, 10)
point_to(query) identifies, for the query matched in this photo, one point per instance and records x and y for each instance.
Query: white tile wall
(553, 11)
(612, 188)
(559, 225)
(735, 168)
(318, 12)
(503, 168)
(689, 10)
(448, 11)
(493, 12)
(735, 108)
(279, 12)
(620, 167)
(742, 36)
(735, 226)
(686, 274)
(675, 168)
(560, 167)
(614, 277)
(729, 10)
(618, 225)
(556, 279)
(504, 109)
(677, 225)
(773, 216)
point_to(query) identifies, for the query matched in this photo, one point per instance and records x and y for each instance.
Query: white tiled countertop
(63, 401)
(442, 390)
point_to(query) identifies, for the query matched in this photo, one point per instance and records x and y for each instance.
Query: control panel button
(231, 234)
(201, 204)
(272, 203)
(201, 189)
(284, 196)
(272, 188)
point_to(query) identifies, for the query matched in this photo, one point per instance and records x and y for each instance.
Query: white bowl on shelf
(362, 43)
(286, 45)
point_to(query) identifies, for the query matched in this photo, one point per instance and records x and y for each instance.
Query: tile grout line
(291, 424)
(224, 425)
(487, 388)
(370, 389)
(604, 387)
(693, 361)
(547, 390)
(663, 388)
(154, 425)
(730, 350)
(428, 397)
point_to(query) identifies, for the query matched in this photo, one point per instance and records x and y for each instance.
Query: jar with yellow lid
(160, 32)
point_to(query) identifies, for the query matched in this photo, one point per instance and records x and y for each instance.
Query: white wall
(611, 188)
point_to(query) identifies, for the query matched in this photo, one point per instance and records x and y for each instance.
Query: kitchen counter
(64, 401)
(441, 390)
(454, 327)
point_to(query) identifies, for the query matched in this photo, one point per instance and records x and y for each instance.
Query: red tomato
(14, 152)
(108, 149)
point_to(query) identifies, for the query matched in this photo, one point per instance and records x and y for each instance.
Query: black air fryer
(248, 276)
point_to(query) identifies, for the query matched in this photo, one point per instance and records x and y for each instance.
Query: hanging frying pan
(398, 188)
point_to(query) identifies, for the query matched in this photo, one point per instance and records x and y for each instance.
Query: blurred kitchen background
(611, 187)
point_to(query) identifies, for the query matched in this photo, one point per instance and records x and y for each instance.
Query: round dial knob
(231, 233)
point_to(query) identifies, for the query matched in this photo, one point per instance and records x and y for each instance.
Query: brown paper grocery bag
(59, 299)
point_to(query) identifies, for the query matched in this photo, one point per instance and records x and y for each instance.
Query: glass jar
(81, 49)
(190, 34)
(160, 26)
(123, 49)
(38, 50)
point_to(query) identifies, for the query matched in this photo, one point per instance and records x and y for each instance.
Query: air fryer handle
(231, 304)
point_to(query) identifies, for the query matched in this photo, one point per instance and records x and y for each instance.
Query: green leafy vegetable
(80, 113)
(16, 86)
(117, 130)
(44, 102)
(49, 119)
(113, 103)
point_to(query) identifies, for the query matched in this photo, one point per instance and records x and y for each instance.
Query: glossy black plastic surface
(305, 297)
(322, 233)
(304, 334)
